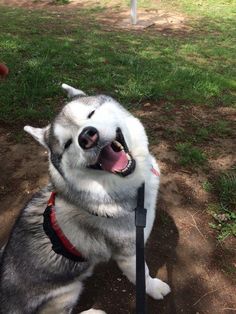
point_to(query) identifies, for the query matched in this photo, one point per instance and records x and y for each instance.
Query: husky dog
(98, 158)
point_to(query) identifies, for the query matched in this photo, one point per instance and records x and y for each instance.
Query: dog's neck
(103, 195)
(99, 202)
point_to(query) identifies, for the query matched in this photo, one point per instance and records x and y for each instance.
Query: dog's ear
(38, 134)
(71, 91)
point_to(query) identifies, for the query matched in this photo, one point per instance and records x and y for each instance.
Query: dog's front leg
(155, 287)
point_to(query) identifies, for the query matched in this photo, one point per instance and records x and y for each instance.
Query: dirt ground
(182, 250)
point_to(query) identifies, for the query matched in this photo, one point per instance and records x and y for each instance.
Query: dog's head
(93, 136)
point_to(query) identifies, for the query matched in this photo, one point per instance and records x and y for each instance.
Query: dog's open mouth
(115, 157)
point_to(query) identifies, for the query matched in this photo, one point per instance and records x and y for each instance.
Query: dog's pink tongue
(111, 160)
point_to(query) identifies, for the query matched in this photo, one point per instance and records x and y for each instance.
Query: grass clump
(224, 213)
(221, 128)
(207, 186)
(200, 132)
(61, 1)
(196, 132)
(190, 155)
(226, 187)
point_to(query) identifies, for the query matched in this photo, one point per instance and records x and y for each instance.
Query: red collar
(60, 243)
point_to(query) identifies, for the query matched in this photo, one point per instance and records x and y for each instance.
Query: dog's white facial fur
(73, 118)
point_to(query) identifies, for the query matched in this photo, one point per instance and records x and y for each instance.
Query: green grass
(207, 186)
(226, 187)
(209, 8)
(190, 155)
(196, 132)
(224, 212)
(61, 1)
(44, 49)
(219, 129)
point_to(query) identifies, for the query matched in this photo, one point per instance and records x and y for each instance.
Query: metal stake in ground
(133, 12)
(140, 221)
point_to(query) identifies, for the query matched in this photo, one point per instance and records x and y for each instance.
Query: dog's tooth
(127, 167)
(118, 144)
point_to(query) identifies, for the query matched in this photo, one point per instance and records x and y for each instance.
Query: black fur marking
(68, 143)
(91, 114)
(56, 160)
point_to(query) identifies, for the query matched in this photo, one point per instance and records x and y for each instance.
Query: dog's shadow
(110, 291)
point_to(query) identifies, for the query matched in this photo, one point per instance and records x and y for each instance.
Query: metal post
(133, 12)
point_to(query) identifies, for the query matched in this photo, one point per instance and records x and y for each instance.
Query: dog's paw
(156, 288)
(93, 311)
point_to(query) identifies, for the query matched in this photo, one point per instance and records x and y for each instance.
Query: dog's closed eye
(68, 143)
(91, 113)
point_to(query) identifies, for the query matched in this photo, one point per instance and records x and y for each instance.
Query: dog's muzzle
(114, 157)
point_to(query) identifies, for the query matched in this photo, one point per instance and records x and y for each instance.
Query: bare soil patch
(23, 171)
(182, 249)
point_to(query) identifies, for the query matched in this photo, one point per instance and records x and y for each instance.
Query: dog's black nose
(88, 138)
